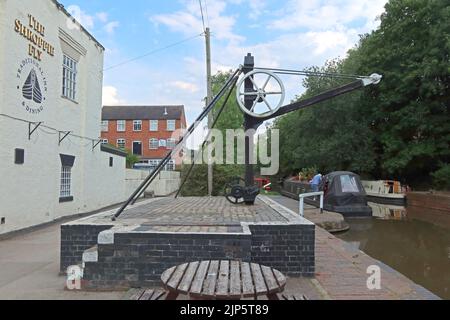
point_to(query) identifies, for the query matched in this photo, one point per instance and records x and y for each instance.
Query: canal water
(419, 249)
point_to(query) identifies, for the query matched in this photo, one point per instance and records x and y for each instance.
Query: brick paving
(202, 211)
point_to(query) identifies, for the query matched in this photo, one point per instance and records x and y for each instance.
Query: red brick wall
(144, 136)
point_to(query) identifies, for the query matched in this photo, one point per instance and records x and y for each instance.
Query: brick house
(147, 131)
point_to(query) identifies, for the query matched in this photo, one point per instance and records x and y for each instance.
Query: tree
(410, 108)
(397, 129)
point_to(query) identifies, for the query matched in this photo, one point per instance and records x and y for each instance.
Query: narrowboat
(343, 193)
(385, 192)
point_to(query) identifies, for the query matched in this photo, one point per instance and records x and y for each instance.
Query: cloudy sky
(288, 34)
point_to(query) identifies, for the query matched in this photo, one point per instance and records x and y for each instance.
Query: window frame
(172, 144)
(174, 125)
(69, 78)
(124, 143)
(137, 123)
(153, 122)
(119, 123)
(105, 126)
(150, 143)
(65, 184)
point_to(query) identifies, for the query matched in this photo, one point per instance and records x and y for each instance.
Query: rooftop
(142, 112)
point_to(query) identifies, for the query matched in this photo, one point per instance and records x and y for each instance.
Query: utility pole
(208, 101)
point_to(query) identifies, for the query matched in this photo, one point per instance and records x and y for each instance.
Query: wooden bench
(148, 294)
(223, 280)
(292, 297)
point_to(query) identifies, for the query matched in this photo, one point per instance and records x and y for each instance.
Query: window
(162, 143)
(349, 184)
(153, 164)
(66, 180)
(154, 144)
(105, 125)
(105, 141)
(171, 125)
(121, 143)
(170, 166)
(153, 125)
(171, 143)
(121, 125)
(69, 78)
(137, 125)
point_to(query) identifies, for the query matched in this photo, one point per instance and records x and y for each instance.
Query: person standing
(315, 182)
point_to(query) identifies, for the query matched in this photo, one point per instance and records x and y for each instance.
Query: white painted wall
(29, 193)
(165, 184)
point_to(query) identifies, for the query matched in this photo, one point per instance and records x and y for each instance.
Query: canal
(416, 248)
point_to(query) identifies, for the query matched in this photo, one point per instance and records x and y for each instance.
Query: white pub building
(51, 162)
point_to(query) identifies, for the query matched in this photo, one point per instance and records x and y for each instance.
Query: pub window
(105, 141)
(137, 125)
(121, 125)
(153, 125)
(66, 181)
(171, 125)
(65, 190)
(163, 143)
(154, 144)
(105, 125)
(121, 143)
(69, 78)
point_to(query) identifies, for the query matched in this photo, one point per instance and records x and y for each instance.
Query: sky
(280, 34)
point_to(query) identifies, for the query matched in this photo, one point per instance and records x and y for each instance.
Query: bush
(441, 178)
(197, 183)
(132, 159)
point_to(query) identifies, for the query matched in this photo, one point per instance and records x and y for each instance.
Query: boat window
(348, 183)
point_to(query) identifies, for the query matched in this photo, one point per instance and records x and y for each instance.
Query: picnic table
(223, 280)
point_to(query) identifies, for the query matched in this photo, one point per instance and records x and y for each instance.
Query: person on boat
(315, 182)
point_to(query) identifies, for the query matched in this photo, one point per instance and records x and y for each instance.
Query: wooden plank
(223, 280)
(137, 294)
(197, 284)
(209, 285)
(158, 295)
(271, 281)
(147, 295)
(165, 277)
(281, 279)
(177, 276)
(188, 278)
(258, 280)
(248, 289)
(235, 280)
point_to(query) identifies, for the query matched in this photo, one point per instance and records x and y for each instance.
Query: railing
(309, 195)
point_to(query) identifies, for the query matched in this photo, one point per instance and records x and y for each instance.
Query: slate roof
(142, 112)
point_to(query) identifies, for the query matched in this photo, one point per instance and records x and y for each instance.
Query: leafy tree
(397, 129)
(410, 108)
